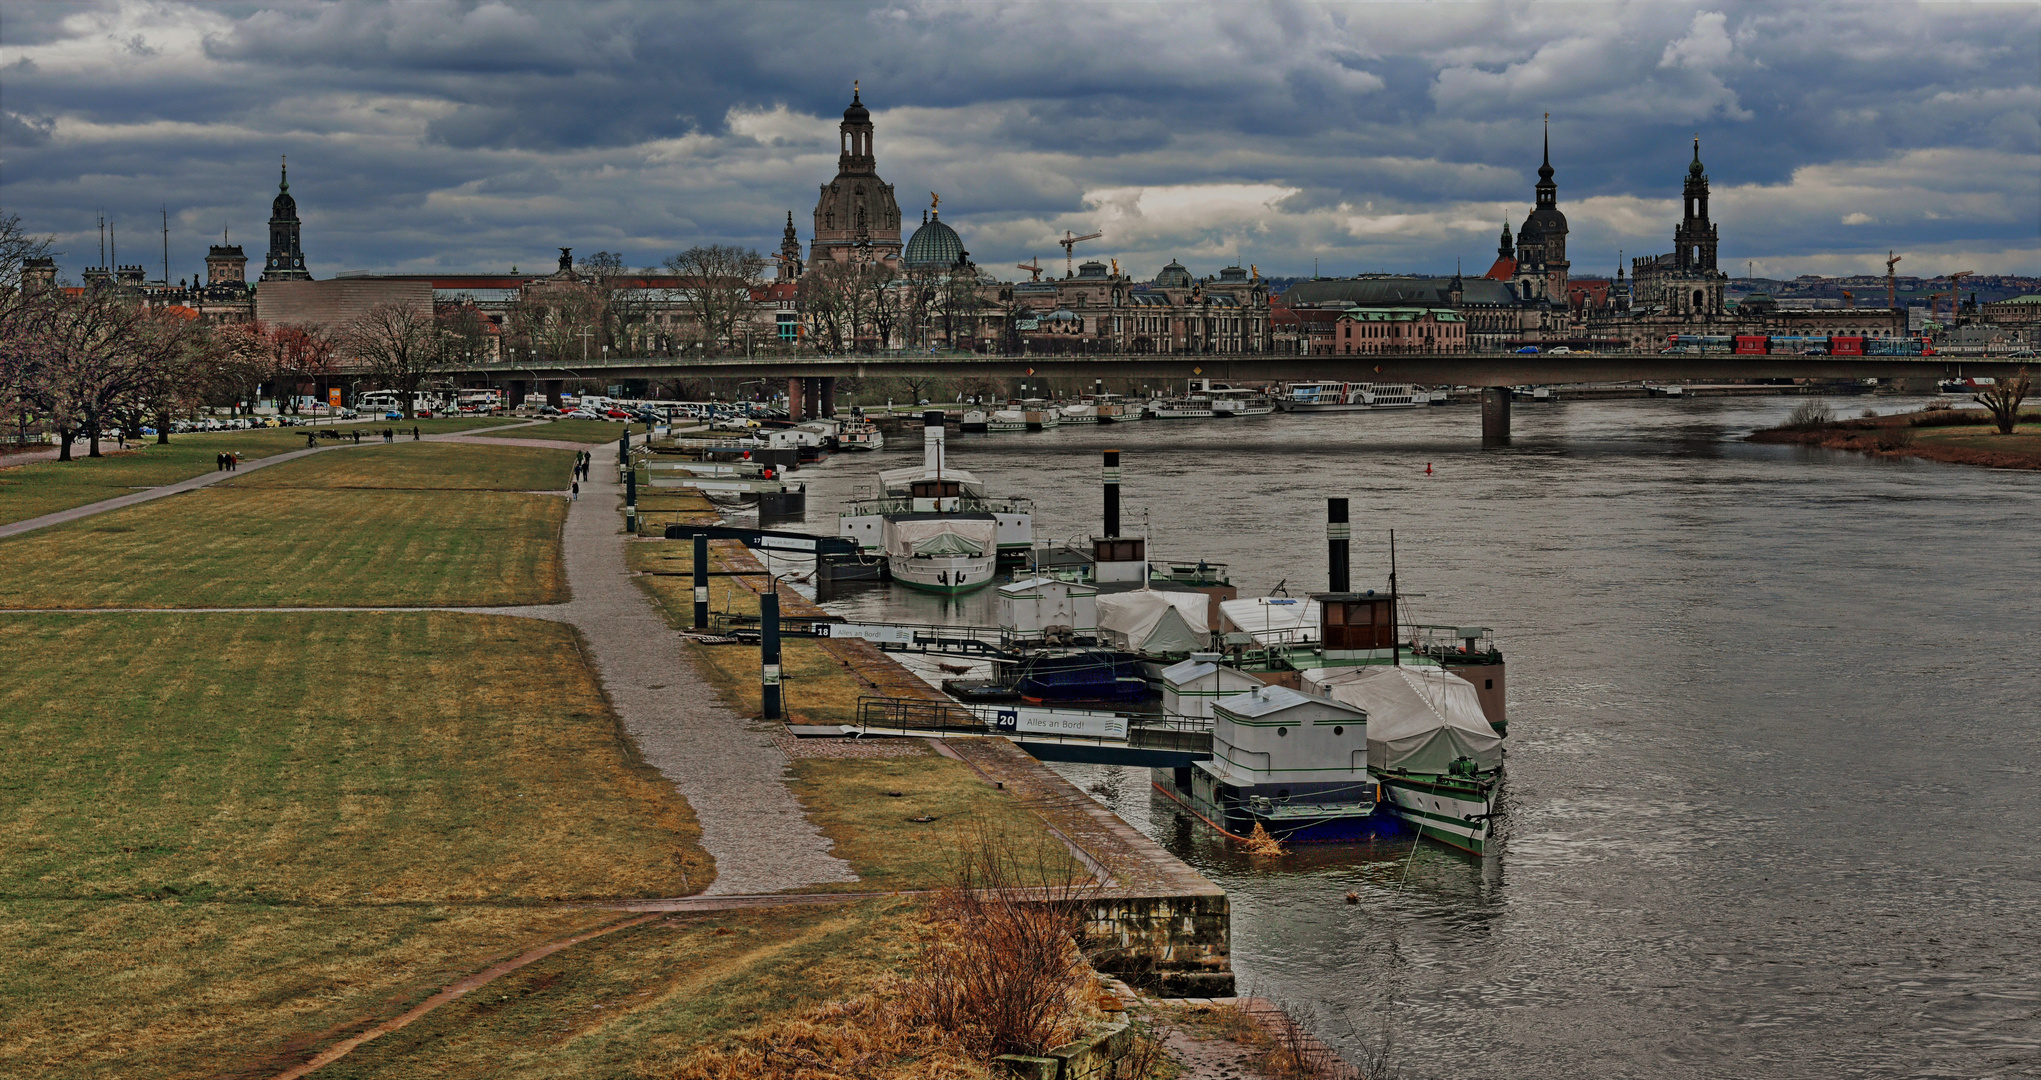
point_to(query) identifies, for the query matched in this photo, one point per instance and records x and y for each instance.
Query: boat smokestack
(1111, 475)
(932, 441)
(1337, 532)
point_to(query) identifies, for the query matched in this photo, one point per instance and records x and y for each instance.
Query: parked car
(1561, 351)
(548, 410)
(616, 414)
(1528, 349)
(394, 414)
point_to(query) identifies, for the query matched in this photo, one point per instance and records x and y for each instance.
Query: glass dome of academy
(933, 246)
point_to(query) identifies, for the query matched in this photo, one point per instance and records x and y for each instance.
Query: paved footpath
(725, 764)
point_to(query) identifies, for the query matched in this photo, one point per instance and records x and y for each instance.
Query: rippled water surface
(1774, 790)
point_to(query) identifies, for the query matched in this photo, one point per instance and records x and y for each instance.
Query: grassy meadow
(296, 547)
(422, 466)
(33, 489)
(269, 823)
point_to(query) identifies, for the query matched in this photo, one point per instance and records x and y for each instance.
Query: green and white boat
(935, 526)
(1430, 746)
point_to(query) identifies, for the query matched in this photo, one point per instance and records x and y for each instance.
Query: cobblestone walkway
(725, 764)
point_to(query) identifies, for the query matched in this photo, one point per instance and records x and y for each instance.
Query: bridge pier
(796, 398)
(825, 396)
(1495, 415)
(518, 389)
(553, 392)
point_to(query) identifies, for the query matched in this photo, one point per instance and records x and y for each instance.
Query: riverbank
(1958, 437)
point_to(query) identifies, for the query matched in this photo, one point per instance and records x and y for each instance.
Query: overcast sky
(477, 136)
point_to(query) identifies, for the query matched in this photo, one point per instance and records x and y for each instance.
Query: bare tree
(716, 289)
(399, 347)
(2003, 397)
(17, 246)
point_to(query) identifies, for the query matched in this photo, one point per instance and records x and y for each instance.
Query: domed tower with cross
(1541, 264)
(286, 261)
(856, 219)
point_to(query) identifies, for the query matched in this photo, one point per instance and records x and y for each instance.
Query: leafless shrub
(1894, 438)
(1811, 413)
(1003, 970)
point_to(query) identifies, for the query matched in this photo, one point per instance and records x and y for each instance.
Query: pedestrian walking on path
(576, 496)
(233, 462)
(357, 436)
(414, 433)
(219, 463)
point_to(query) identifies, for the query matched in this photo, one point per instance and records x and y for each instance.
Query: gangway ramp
(1099, 737)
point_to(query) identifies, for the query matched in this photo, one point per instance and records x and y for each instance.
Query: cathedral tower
(856, 219)
(286, 260)
(1695, 239)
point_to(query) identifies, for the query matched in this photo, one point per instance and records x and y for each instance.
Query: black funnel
(1337, 533)
(1111, 476)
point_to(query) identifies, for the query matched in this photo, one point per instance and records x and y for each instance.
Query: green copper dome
(934, 246)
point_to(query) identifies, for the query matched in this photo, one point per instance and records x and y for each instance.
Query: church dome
(933, 246)
(1174, 276)
(1544, 219)
(284, 206)
(857, 113)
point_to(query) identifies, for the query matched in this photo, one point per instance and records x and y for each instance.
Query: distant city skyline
(1347, 140)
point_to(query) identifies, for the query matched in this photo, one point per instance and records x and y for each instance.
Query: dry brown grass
(998, 971)
(691, 992)
(270, 824)
(422, 466)
(251, 547)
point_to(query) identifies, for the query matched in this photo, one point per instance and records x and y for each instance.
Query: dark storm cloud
(481, 134)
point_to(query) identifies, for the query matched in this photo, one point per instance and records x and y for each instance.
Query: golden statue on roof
(935, 201)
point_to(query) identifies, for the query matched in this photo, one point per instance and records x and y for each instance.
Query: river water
(1774, 790)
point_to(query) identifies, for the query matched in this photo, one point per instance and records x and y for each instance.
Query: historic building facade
(857, 219)
(1492, 314)
(1101, 310)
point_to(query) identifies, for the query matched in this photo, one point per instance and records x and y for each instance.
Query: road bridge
(813, 377)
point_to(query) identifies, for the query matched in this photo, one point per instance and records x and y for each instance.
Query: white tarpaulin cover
(941, 536)
(1273, 620)
(1152, 622)
(1419, 718)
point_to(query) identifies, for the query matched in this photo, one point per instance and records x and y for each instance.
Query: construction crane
(1891, 281)
(1070, 242)
(1032, 266)
(1955, 295)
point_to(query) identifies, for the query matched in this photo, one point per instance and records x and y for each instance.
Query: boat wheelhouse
(1294, 764)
